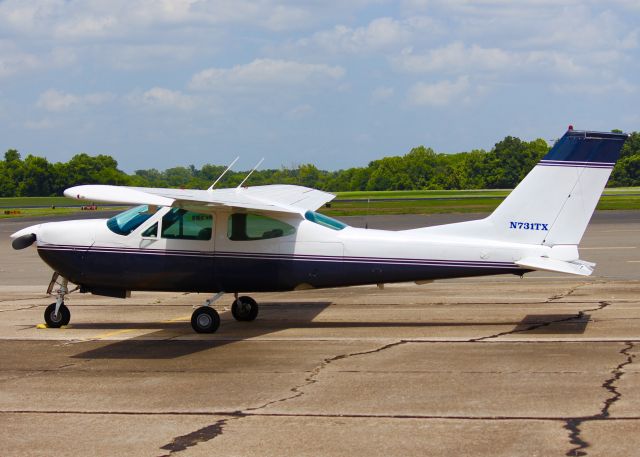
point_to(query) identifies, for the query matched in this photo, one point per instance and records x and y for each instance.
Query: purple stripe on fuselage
(277, 256)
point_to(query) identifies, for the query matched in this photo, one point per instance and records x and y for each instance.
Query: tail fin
(555, 201)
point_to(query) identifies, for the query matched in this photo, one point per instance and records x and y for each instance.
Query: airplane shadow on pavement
(554, 324)
(162, 344)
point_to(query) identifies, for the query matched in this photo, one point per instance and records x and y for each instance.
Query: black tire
(53, 321)
(244, 309)
(205, 320)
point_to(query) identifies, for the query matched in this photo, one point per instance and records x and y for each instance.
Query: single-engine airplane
(270, 238)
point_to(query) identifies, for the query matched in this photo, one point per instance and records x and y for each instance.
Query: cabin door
(180, 249)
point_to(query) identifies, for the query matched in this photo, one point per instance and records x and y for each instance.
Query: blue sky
(337, 83)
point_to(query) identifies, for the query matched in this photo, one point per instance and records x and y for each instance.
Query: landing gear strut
(244, 309)
(57, 314)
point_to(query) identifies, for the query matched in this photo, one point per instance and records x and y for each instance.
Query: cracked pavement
(498, 366)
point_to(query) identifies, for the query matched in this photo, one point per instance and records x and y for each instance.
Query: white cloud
(284, 18)
(159, 97)
(91, 19)
(453, 58)
(438, 94)
(57, 101)
(27, 16)
(501, 64)
(380, 34)
(53, 100)
(581, 29)
(14, 61)
(84, 27)
(265, 72)
(536, 24)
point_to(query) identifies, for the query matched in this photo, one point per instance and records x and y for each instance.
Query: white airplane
(269, 238)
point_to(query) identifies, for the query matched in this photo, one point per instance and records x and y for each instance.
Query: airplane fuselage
(90, 254)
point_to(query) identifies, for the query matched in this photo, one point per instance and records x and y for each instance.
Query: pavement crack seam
(567, 293)
(578, 316)
(573, 425)
(19, 309)
(214, 430)
(297, 391)
(11, 300)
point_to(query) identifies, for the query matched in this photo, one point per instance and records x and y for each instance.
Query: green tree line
(421, 168)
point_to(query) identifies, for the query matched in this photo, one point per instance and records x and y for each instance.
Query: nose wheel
(57, 318)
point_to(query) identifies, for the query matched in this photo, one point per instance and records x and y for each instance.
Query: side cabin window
(323, 220)
(181, 224)
(249, 227)
(127, 221)
(151, 232)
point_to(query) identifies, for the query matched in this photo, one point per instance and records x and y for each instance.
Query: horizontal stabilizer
(576, 267)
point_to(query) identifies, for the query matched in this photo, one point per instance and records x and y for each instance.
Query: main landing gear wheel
(54, 320)
(205, 320)
(244, 309)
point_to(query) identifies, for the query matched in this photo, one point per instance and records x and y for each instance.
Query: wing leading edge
(277, 197)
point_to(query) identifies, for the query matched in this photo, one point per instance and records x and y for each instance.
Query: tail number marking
(528, 226)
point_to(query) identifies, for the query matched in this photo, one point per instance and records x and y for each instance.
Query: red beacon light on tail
(570, 127)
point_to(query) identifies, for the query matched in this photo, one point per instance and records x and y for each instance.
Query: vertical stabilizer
(555, 201)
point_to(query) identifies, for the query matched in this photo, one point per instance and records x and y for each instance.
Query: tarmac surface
(545, 365)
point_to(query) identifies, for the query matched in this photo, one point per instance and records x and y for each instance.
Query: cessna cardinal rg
(269, 238)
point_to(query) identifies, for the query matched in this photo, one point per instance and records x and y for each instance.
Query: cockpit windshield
(325, 221)
(126, 222)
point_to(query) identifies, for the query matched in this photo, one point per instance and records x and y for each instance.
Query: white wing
(278, 197)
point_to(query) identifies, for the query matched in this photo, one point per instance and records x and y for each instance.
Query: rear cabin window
(181, 224)
(127, 221)
(325, 221)
(248, 227)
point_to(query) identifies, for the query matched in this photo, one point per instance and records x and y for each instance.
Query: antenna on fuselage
(223, 173)
(254, 169)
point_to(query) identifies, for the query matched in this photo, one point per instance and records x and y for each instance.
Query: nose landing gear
(57, 314)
